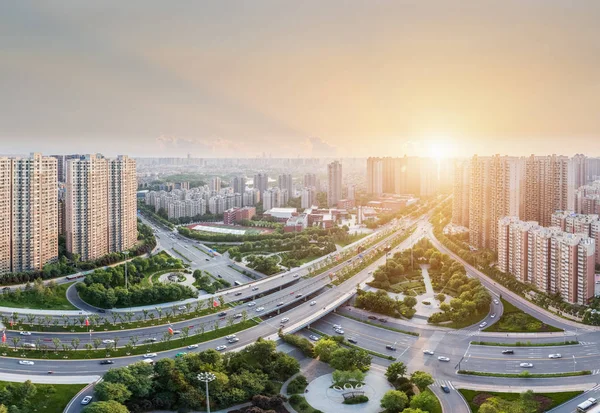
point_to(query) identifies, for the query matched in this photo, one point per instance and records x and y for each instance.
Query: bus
(237, 283)
(74, 277)
(586, 405)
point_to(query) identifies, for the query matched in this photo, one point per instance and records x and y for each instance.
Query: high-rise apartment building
(307, 198)
(100, 206)
(28, 213)
(61, 165)
(285, 182)
(494, 192)
(311, 180)
(577, 176)
(238, 183)
(587, 199)
(406, 175)
(274, 198)
(546, 187)
(261, 182)
(460, 199)
(334, 183)
(215, 184)
(375, 176)
(350, 192)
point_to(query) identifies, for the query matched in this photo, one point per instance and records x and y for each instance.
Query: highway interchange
(454, 344)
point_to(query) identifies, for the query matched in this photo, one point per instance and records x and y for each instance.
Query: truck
(586, 406)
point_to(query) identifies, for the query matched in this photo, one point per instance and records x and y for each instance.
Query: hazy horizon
(312, 79)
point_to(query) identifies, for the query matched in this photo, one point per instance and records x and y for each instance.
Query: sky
(335, 78)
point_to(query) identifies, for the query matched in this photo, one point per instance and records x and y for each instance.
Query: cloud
(198, 147)
(318, 147)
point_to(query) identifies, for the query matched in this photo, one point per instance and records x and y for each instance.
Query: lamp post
(206, 377)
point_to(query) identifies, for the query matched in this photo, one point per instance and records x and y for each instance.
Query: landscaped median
(345, 343)
(91, 350)
(45, 398)
(525, 374)
(515, 320)
(545, 401)
(525, 344)
(397, 330)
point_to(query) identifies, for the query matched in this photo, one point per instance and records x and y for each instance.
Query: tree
(395, 371)
(325, 348)
(350, 359)
(424, 401)
(106, 391)
(106, 407)
(394, 401)
(421, 380)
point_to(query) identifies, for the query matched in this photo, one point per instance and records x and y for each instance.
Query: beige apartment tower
(28, 213)
(100, 207)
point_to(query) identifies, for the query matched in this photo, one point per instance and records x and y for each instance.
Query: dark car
(207, 259)
(6, 289)
(102, 310)
(236, 294)
(279, 304)
(107, 362)
(390, 347)
(508, 352)
(383, 320)
(352, 340)
(372, 317)
(445, 389)
(223, 314)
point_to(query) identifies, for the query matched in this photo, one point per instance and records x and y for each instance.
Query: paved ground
(321, 396)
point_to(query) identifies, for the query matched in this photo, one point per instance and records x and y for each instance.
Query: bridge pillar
(278, 312)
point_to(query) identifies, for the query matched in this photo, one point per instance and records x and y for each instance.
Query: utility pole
(206, 377)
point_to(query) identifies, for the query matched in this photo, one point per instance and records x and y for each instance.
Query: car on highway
(442, 358)
(525, 365)
(383, 320)
(86, 400)
(26, 362)
(151, 340)
(230, 336)
(284, 320)
(352, 340)
(182, 308)
(238, 315)
(555, 356)
(107, 362)
(390, 347)
(149, 355)
(148, 361)
(295, 275)
(207, 259)
(29, 345)
(238, 293)
(25, 333)
(298, 295)
(181, 354)
(372, 317)
(508, 351)
(428, 352)
(254, 288)
(279, 304)
(339, 331)
(176, 331)
(259, 309)
(493, 315)
(336, 326)
(496, 302)
(222, 314)
(482, 324)
(233, 340)
(251, 304)
(192, 346)
(221, 348)
(313, 337)
(313, 303)
(445, 388)
(101, 310)
(108, 341)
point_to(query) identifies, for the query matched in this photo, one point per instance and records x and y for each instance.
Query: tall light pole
(206, 377)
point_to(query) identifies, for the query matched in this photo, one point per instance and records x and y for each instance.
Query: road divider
(525, 374)
(525, 344)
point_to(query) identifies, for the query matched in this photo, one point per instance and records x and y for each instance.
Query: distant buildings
(334, 183)
(238, 183)
(28, 213)
(274, 198)
(285, 182)
(406, 175)
(307, 197)
(261, 182)
(311, 181)
(215, 184)
(100, 206)
(587, 199)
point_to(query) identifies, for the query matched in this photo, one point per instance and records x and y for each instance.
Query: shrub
(297, 385)
(356, 400)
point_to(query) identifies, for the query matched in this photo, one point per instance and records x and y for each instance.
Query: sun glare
(440, 149)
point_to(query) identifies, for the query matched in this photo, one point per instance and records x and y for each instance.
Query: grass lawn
(43, 402)
(514, 320)
(547, 400)
(438, 407)
(29, 299)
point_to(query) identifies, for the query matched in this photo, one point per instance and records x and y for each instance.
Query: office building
(100, 206)
(28, 213)
(334, 183)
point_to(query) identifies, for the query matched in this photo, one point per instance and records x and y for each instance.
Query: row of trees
(268, 265)
(402, 398)
(380, 302)
(209, 284)
(69, 264)
(329, 350)
(173, 384)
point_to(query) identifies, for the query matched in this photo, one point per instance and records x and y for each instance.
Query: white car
(496, 302)
(176, 331)
(525, 365)
(336, 326)
(339, 331)
(108, 341)
(233, 340)
(25, 333)
(259, 309)
(428, 352)
(493, 315)
(192, 346)
(238, 315)
(482, 324)
(230, 336)
(295, 275)
(313, 337)
(284, 320)
(150, 355)
(442, 358)
(251, 304)
(221, 348)
(86, 400)
(26, 362)
(555, 356)
(181, 307)
(313, 303)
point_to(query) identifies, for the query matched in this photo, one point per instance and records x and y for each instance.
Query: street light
(206, 377)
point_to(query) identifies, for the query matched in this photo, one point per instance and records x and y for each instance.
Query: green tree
(106, 407)
(394, 401)
(106, 391)
(395, 371)
(424, 401)
(421, 379)
(324, 349)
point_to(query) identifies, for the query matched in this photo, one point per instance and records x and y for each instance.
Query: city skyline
(308, 79)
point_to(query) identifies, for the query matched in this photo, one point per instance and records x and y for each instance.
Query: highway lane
(451, 402)
(571, 405)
